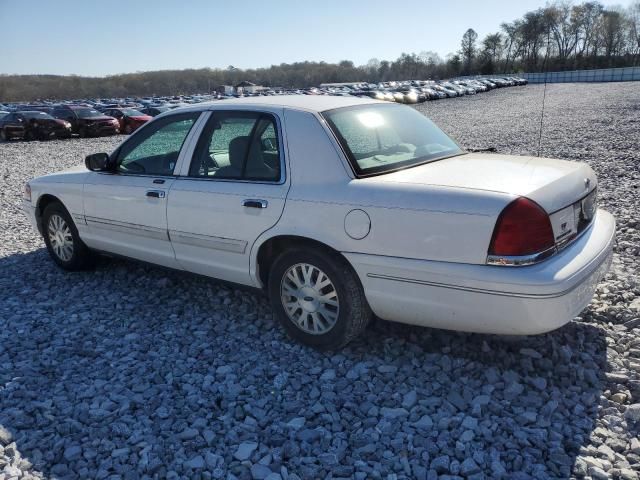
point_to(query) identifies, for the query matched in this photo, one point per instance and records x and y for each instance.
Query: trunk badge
(587, 182)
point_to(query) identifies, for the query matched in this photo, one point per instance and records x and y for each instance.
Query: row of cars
(417, 91)
(97, 117)
(43, 122)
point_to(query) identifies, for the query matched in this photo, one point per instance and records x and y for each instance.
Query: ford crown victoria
(339, 208)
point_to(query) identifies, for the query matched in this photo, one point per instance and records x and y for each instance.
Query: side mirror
(98, 162)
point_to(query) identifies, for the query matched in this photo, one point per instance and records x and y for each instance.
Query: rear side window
(238, 146)
(154, 150)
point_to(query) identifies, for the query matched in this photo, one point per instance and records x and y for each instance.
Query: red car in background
(130, 119)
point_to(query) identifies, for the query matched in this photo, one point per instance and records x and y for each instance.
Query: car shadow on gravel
(134, 370)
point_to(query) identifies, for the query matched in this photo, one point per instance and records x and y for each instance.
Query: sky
(104, 37)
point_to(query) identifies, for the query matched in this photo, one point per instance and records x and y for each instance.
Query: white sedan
(339, 208)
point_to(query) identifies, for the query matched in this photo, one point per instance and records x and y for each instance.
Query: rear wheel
(317, 298)
(62, 240)
(128, 129)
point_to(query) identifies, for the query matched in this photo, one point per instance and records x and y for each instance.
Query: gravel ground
(136, 372)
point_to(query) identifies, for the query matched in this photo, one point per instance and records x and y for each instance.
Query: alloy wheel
(309, 298)
(60, 238)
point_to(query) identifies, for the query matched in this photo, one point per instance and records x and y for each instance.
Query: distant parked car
(488, 83)
(33, 126)
(450, 93)
(129, 118)
(86, 121)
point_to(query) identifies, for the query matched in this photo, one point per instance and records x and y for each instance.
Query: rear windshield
(382, 138)
(131, 112)
(36, 115)
(87, 112)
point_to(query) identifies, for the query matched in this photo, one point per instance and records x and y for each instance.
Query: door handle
(255, 203)
(155, 193)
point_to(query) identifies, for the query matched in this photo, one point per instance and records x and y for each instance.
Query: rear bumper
(490, 299)
(105, 129)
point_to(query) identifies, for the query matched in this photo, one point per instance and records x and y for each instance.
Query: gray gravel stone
(259, 472)
(633, 412)
(245, 450)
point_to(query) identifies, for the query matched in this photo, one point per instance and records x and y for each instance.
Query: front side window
(381, 138)
(238, 145)
(154, 150)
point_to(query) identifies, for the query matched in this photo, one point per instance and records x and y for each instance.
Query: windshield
(130, 112)
(87, 112)
(36, 115)
(381, 138)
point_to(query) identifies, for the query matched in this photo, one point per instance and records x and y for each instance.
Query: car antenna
(544, 94)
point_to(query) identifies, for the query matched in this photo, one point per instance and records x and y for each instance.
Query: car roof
(312, 103)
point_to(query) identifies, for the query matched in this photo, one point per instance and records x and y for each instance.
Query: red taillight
(523, 228)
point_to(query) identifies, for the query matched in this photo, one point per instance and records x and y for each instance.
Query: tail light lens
(523, 229)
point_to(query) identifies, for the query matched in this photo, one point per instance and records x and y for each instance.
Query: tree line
(561, 36)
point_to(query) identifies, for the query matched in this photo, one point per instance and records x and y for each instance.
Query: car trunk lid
(553, 184)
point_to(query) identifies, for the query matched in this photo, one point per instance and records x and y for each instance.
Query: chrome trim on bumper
(603, 264)
(524, 260)
(520, 260)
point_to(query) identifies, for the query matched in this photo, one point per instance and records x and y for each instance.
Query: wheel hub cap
(60, 238)
(309, 298)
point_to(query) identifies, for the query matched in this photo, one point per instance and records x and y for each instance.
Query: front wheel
(318, 298)
(62, 240)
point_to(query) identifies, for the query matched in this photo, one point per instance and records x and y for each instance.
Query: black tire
(353, 313)
(82, 132)
(29, 136)
(3, 135)
(128, 129)
(81, 257)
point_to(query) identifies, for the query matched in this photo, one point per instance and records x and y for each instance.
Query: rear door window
(238, 146)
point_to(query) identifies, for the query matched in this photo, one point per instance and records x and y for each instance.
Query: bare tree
(633, 16)
(587, 16)
(468, 48)
(563, 26)
(611, 33)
